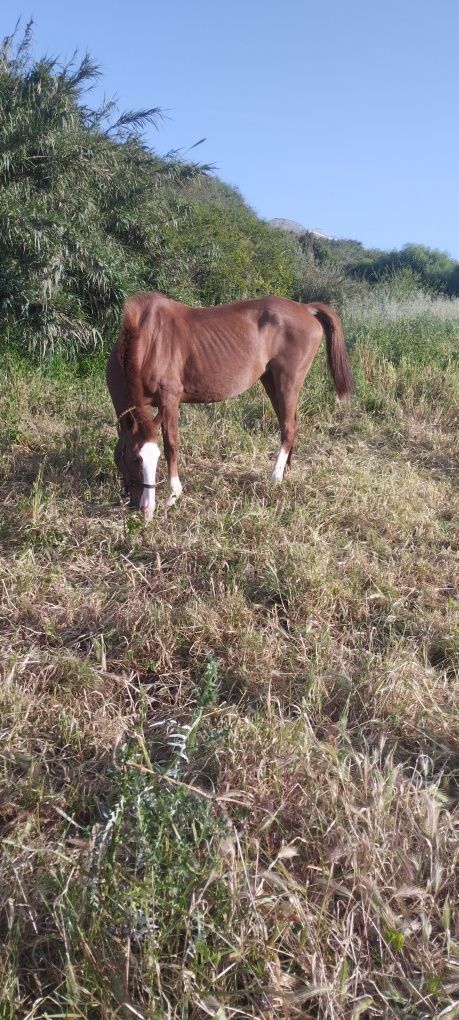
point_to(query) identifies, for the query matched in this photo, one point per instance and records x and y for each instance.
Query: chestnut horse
(168, 353)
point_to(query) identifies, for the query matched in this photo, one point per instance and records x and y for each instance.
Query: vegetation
(229, 739)
(89, 214)
(414, 267)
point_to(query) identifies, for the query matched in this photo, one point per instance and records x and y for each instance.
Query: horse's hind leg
(169, 425)
(270, 387)
(287, 392)
(289, 458)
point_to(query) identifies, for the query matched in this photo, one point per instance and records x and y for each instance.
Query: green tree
(82, 209)
(89, 214)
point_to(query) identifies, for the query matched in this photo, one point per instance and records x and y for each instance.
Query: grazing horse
(168, 353)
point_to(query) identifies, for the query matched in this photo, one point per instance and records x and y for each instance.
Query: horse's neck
(116, 383)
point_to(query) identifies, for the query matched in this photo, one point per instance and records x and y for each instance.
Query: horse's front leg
(169, 425)
(149, 454)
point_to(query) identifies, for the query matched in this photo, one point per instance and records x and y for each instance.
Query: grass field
(230, 739)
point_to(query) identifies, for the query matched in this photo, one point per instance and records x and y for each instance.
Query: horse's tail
(337, 356)
(137, 327)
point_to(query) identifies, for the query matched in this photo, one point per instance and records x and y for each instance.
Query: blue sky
(341, 114)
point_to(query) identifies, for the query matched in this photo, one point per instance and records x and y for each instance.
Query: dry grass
(230, 740)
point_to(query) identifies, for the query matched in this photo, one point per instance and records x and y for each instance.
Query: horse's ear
(132, 424)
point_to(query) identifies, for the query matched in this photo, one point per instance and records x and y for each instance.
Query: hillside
(89, 214)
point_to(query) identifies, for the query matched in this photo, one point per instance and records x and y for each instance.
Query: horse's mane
(137, 328)
(131, 320)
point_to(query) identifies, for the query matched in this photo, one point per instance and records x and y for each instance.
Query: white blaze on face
(279, 467)
(149, 453)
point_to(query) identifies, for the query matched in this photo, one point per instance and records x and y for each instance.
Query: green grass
(230, 739)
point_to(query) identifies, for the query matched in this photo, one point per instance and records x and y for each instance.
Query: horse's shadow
(23, 466)
(248, 482)
(33, 476)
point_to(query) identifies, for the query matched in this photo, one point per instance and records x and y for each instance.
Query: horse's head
(136, 458)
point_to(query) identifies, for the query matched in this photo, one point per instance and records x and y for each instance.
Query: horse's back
(271, 310)
(212, 353)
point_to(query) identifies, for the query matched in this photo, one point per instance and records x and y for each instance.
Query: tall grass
(378, 303)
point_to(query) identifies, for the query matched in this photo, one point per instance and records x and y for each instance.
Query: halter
(144, 485)
(122, 415)
(128, 409)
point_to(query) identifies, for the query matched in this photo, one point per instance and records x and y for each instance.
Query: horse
(168, 353)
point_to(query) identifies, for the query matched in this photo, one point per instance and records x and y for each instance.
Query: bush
(89, 215)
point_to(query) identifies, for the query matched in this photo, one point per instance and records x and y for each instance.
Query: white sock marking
(279, 467)
(175, 489)
(150, 454)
